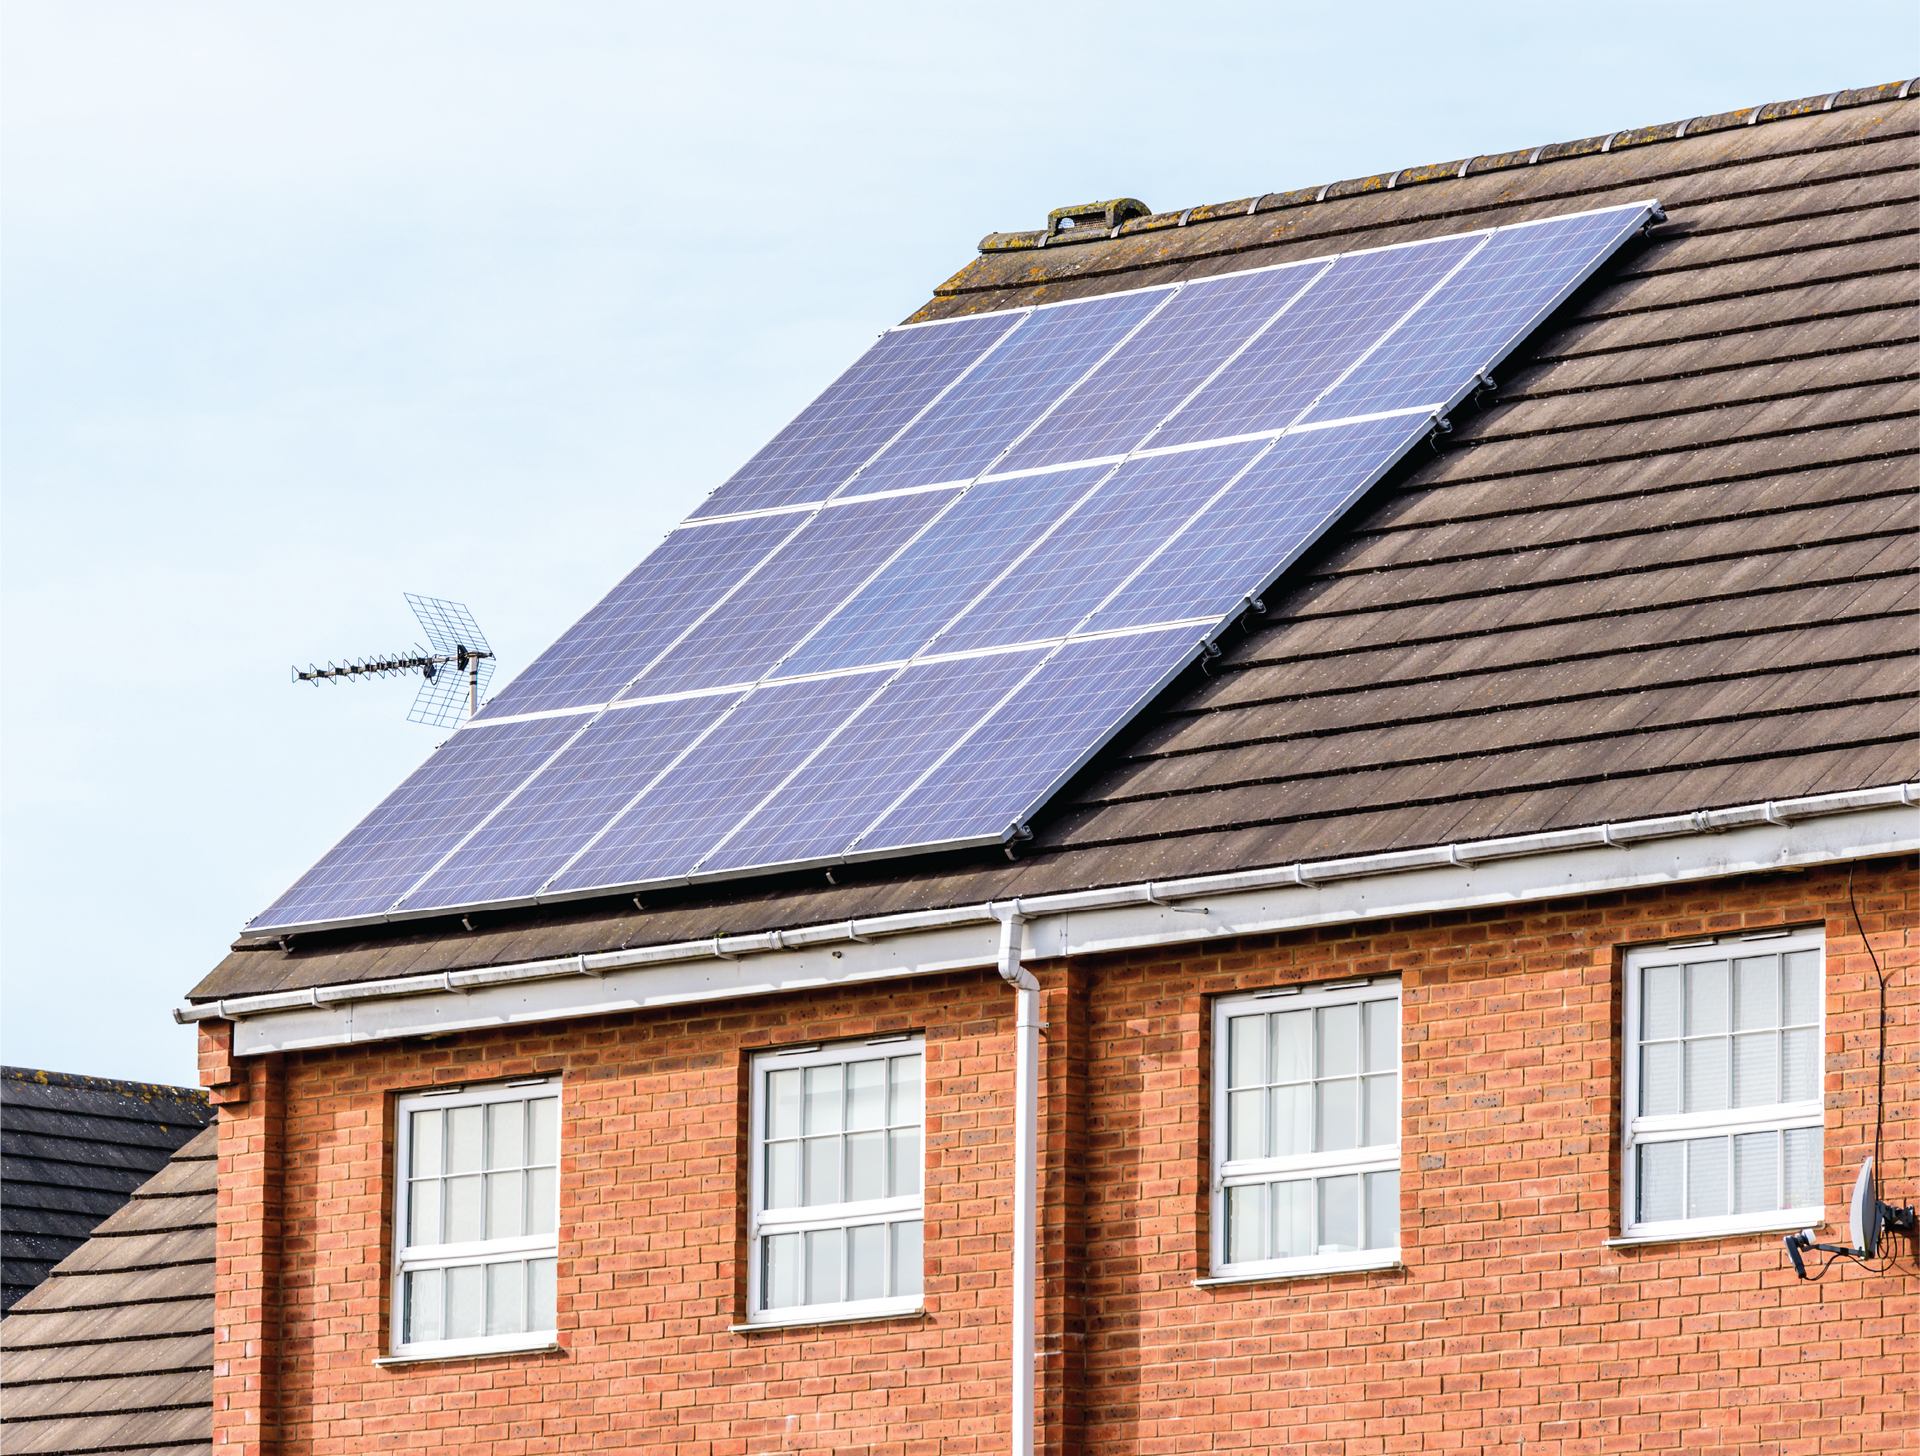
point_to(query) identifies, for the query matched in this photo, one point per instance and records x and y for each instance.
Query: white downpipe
(1026, 1165)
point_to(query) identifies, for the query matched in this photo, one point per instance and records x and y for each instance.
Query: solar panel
(911, 617)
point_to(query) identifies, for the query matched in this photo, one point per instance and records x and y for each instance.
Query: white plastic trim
(1669, 850)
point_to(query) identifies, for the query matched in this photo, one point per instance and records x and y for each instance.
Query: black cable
(1880, 1085)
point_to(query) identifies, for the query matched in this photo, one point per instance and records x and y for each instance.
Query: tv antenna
(456, 642)
(1868, 1220)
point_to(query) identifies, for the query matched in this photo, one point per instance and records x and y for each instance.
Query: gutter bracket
(1153, 899)
(720, 953)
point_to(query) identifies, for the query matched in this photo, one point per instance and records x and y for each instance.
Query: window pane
(1756, 993)
(1706, 1177)
(1247, 1051)
(1756, 1172)
(1246, 1132)
(1339, 1122)
(823, 1099)
(1292, 1120)
(1706, 998)
(463, 1210)
(1340, 1214)
(463, 1139)
(906, 1161)
(542, 1200)
(506, 1124)
(506, 1298)
(426, 1143)
(1659, 1181)
(783, 1175)
(540, 1300)
(1803, 987)
(1292, 1218)
(826, 1252)
(1659, 1002)
(867, 1262)
(780, 1271)
(1756, 1069)
(906, 1090)
(783, 1104)
(543, 1130)
(506, 1205)
(1707, 1074)
(866, 1166)
(1383, 1210)
(466, 1302)
(424, 1294)
(823, 1168)
(906, 1257)
(1383, 1035)
(1339, 1041)
(867, 1094)
(1799, 1065)
(1293, 1046)
(1803, 1167)
(1660, 1078)
(1383, 1111)
(1245, 1223)
(423, 1213)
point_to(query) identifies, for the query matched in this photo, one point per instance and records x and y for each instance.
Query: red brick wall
(1512, 1322)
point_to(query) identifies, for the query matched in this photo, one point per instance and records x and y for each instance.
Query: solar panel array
(932, 597)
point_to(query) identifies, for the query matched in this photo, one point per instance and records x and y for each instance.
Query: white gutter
(1675, 849)
(1026, 1165)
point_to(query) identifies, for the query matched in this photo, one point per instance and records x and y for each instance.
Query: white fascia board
(1595, 860)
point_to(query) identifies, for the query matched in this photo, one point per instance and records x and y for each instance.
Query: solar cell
(921, 589)
(813, 572)
(1496, 300)
(1113, 411)
(1111, 532)
(1083, 694)
(1147, 518)
(901, 374)
(1307, 348)
(1262, 524)
(688, 576)
(386, 852)
(615, 755)
(898, 737)
(741, 760)
(973, 422)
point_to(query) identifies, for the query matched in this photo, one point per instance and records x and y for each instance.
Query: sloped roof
(1672, 568)
(72, 1149)
(115, 1351)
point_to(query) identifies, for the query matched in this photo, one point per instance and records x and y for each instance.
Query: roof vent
(1108, 215)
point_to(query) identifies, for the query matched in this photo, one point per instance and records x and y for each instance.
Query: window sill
(801, 1320)
(476, 1350)
(1356, 1264)
(1783, 1224)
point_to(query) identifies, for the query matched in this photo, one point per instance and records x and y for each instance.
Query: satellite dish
(1863, 1214)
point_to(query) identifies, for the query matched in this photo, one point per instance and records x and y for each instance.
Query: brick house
(1447, 997)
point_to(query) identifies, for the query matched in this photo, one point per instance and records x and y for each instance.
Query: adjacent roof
(1672, 568)
(115, 1351)
(72, 1150)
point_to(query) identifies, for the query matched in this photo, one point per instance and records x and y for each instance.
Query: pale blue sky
(307, 305)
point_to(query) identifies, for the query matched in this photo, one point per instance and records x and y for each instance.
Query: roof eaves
(1460, 167)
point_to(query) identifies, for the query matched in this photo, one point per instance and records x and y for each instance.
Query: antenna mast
(456, 641)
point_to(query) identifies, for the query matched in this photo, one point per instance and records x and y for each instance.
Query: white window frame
(763, 1221)
(1226, 1173)
(479, 1251)
(1675, 1127)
